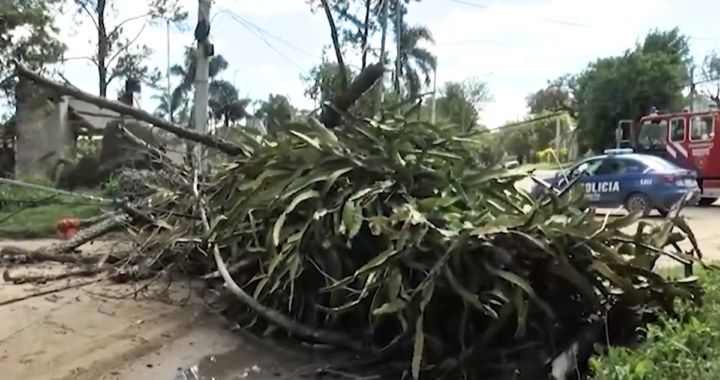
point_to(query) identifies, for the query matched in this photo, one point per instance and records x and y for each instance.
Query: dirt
(81, 333)
(91, 333)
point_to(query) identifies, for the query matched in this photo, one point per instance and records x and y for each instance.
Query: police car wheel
(638, 203)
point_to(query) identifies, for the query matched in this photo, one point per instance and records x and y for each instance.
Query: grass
(27, 213)
(39, 222)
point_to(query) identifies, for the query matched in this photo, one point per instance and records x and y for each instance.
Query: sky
(515, 46)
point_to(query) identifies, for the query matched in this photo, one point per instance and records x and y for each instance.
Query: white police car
(639, 182)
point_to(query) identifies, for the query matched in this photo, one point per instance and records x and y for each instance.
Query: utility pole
(167, 74)
(398, 43)
(557, 135)
(433, 110)
(205, 50)
(383, 50)
(693, 89)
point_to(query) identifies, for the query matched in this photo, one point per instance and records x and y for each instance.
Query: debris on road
(384, 239)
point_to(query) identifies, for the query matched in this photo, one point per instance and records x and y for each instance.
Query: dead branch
(85, 235)
(41, 255)
(154, 152)
(125, 110)
(331, 114)
(47, 292)
(43, 278)
(336, 44)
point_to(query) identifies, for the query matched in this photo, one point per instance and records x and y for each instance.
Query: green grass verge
(40, 221)
(675, 349)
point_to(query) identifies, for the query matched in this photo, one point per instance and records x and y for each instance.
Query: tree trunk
(366, 32)
(102, 48)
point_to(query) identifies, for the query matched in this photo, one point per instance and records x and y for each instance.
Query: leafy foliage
(119, 56)
(674, 349)
(392, 233)
(653, 74)
(28, 33)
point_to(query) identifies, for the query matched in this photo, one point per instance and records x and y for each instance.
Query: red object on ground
(67, 228)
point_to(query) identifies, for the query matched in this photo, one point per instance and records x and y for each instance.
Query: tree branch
(367, 78)
(336, 44)
(94, 62)
(125, 48)
(120, 25)
(125, 110)
(85, 8)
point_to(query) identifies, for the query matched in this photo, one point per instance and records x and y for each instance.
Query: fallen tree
(385, 238)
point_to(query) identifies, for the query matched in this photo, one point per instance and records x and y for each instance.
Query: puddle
(244, 362)
(257, 359)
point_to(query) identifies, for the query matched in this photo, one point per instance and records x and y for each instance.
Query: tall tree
(28, 33)
(417, 63)
(119, 56)
(711, 77)
(276, 111)
(225, 104)
(557, 96)
(653, 74)
(461, 102)
(186, 73)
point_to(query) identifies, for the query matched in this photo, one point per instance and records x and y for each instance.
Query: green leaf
(281, 220)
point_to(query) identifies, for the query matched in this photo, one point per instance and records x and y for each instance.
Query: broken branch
(125, 110)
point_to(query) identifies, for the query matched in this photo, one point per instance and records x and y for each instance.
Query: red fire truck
(685, 138)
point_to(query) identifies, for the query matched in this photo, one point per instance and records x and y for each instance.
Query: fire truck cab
(687, 139)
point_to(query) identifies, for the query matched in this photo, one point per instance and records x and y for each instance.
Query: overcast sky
(515, 46)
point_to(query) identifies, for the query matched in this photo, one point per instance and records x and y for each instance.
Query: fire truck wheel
(704, 202)
(638, 202)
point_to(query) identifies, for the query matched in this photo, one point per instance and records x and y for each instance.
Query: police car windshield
(658, 164)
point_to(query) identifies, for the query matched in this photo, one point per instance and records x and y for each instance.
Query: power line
(559, 22)
(265, 32)
(259, 35)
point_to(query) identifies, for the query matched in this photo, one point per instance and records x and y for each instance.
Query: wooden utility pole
(204, 51)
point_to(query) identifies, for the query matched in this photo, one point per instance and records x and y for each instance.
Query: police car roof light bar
(618, 151)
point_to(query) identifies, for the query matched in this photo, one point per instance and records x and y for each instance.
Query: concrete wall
(44, 134)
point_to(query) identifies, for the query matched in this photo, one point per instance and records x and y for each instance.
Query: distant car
(511, 164)
(639, 182)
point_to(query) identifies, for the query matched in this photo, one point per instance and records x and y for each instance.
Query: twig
(46, 292)
(125, 110)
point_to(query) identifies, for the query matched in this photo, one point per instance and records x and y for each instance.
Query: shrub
(675, 349)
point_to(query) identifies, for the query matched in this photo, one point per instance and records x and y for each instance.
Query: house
(45, 126)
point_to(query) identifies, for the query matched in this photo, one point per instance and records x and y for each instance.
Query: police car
(619, 177)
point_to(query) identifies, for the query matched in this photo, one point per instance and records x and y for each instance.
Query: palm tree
(275, 112)
(186, 73)
(226, 106)
(417, 63)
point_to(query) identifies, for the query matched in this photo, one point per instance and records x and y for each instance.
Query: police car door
(606, 184)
